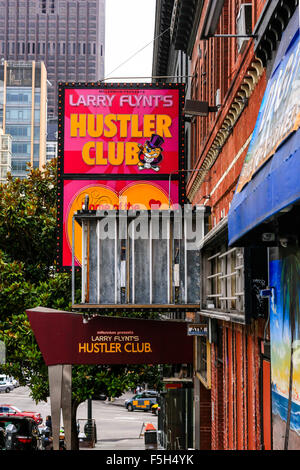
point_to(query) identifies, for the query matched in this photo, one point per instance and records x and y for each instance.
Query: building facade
(265, 209)
(23, 111)
(51, 143)
(5, 156)
(68, 36)
(232, 47)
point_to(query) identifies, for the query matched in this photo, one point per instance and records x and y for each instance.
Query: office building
(23, 112)
(5, 156)
(67, 35)
(51, 142)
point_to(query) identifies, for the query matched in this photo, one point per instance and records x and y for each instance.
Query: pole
(89, 420)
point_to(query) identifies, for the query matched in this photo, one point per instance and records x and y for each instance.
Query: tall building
(23, 112)
(67, 35)
(5, 155)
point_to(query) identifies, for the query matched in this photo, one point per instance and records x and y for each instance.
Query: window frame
(200, 343)
(224, 279)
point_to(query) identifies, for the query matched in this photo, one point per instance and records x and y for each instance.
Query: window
(36, 150)
(43, 6)
(20, 148)
(19, 165)
(17, 115)
(4, 409)
(18, 97)
(3, 158)
(36, 133)
(224, 285)
(18, 131)
(4, 143)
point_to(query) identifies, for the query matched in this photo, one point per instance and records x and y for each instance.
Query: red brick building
(236, 78)
(228, 48)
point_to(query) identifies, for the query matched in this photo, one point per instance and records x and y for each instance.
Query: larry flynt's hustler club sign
(121, 131)
(108, 340)
(118, 144)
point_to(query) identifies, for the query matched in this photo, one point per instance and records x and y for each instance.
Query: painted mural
(285, 347)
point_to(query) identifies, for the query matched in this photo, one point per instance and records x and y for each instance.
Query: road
(117, 429)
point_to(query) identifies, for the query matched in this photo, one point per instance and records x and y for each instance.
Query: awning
(270, 177)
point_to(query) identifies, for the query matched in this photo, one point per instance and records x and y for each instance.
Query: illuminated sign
(118, 143)
(112, 131)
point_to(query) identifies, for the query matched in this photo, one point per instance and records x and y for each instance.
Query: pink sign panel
(110, 194)
(121, 131)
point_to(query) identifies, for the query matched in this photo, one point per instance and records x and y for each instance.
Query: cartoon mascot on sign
(150, 154)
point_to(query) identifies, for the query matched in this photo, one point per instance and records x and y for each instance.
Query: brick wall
(219, 67)
(205, 418)
(235, 391)
(234, 413)
(217, 400)
(222, 177)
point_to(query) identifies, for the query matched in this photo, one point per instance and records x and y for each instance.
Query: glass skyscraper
(23, 108)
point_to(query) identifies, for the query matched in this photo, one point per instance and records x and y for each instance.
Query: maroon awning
(63, 338)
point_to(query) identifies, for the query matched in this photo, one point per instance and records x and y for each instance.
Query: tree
(28, 279)
(28, 221)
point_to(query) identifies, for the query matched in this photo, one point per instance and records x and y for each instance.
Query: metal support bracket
(60, 382)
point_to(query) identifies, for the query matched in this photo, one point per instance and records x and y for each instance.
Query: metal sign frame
(126, 272)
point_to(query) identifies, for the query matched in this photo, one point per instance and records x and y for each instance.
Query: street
(117, 429)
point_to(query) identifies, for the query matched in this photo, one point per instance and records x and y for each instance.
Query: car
(11, 410)
(15, 382)
(142, 401)
(20, 433)
(6, 387)
(155, 409)
(6, 378)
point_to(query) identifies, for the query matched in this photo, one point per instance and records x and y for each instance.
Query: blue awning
(270, 178)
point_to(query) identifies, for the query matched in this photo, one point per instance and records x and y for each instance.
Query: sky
(129, 27)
